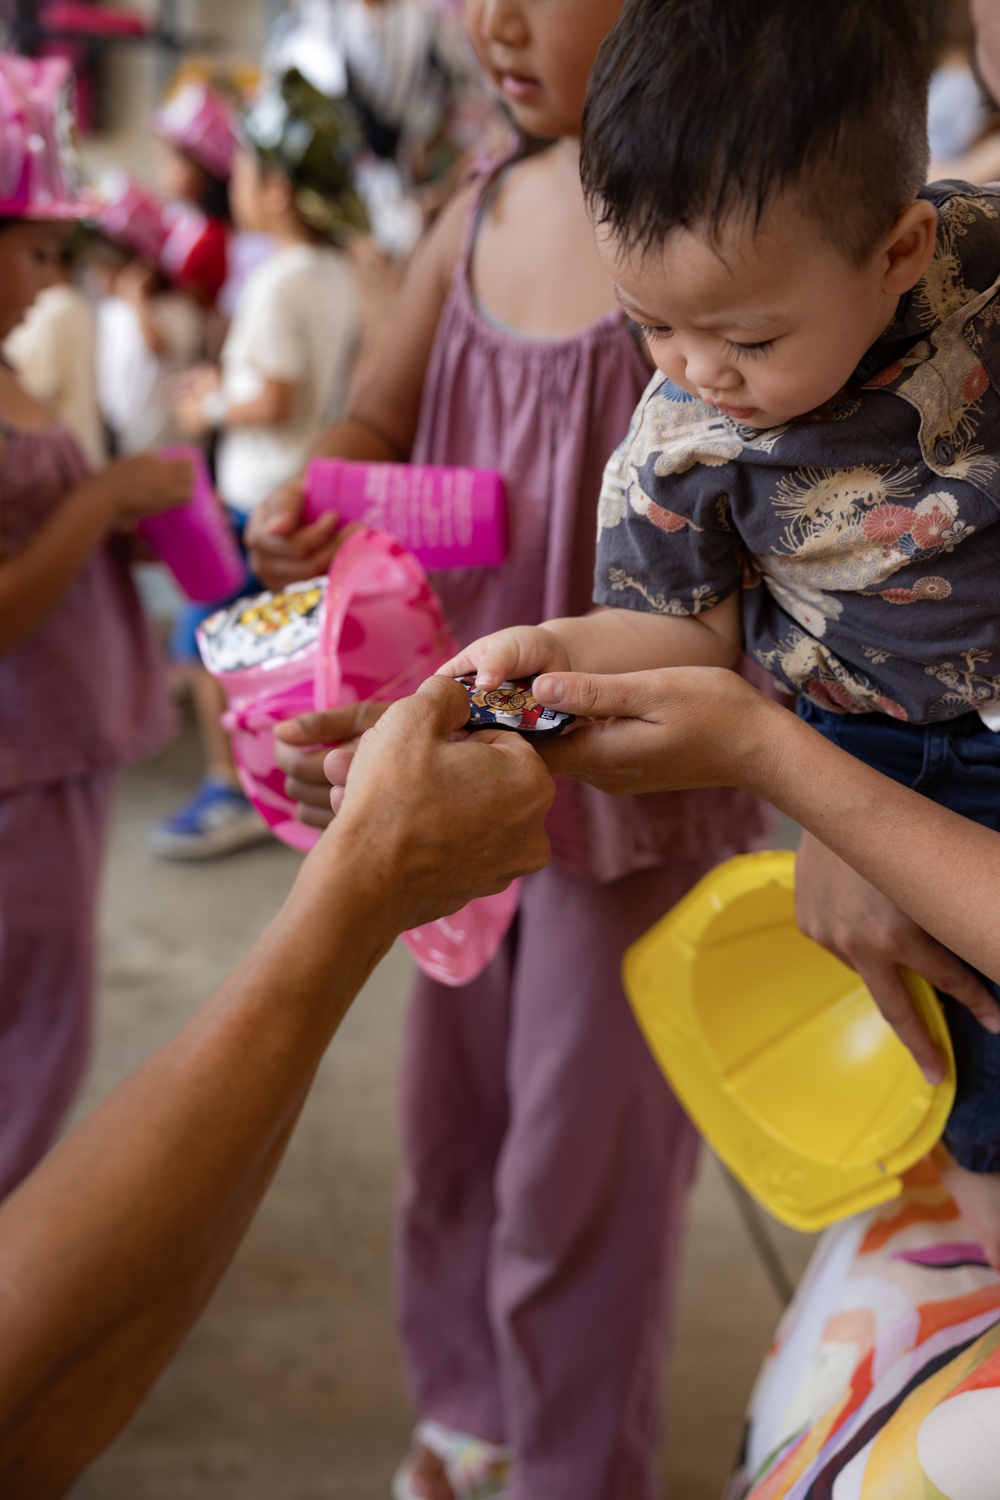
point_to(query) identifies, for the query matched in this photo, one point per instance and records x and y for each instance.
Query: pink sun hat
(40, 176)
(128, 213)
(199, 121)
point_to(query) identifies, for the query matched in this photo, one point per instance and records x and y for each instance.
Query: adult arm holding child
(692, 727)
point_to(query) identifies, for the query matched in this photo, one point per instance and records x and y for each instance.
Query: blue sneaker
(217, 820)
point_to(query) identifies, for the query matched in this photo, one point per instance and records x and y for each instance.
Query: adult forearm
(939, 868)
(110, 1250)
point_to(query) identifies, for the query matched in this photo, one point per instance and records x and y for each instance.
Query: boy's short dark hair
(700, 112)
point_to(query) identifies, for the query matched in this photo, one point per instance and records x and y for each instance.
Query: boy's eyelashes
(733, 349)
(752, 349)
(648, 331)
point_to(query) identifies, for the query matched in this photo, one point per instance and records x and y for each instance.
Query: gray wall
(136, 75)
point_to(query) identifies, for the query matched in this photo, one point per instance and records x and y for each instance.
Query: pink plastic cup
(196, 541)
(447, 517)
(373, 628)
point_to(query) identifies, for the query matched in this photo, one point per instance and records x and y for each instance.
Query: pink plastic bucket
(196, 540)
(373, 628)
(447, 517)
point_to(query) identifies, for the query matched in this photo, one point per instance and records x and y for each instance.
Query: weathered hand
(655, 731)
(303, 747)
(839, 909)
(442, 820)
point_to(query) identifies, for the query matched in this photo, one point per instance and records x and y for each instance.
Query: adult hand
(441, 820)
(302, 747)
(839, 909)
(659, 731)
(283, 550)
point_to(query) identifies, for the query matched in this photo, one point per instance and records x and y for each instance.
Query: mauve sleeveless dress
(82, 694)
(545, 1161)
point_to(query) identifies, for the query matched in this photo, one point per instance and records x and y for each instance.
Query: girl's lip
(518, 87)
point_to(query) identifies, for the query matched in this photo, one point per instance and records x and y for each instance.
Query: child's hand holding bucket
(315, 752)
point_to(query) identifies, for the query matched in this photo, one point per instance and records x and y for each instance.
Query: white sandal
(475, 1469)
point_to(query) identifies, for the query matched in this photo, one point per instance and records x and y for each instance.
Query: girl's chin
(536, 117)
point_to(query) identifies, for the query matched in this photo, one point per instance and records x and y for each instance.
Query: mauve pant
(51, 850)
(546, 1165)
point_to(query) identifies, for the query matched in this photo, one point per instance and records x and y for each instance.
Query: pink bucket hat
(199, 122)
(131, 215)
(39, 167)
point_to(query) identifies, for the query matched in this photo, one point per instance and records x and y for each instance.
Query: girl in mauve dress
(81, 689)
(545, 1162)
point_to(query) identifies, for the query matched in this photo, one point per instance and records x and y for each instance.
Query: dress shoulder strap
(488, 176)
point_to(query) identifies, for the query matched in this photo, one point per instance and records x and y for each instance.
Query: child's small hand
(521, 651)
(283, 548)
(316, 750)
(188, 396)
(145, 484)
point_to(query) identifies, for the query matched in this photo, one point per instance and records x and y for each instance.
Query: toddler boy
(814, 472)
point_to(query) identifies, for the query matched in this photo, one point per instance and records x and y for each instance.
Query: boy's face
(766, 325)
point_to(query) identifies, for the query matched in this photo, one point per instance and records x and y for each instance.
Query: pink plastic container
(196, 540)
(373, 628)
(447, 517)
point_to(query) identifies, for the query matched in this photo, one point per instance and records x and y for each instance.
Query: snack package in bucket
(372, 628)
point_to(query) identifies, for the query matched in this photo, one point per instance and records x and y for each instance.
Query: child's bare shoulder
(441, 247)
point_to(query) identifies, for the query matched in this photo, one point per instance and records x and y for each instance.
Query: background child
(819, 473)
(54, 351)
(545, 1162)
(197, 126)
(148, 332)
(81, 690)
(286, 367)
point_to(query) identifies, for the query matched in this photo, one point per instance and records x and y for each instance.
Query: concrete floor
(289, 1389)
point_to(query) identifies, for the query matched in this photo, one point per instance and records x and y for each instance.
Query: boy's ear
(909, 247)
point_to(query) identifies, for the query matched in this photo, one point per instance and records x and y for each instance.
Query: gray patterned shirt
(864, 535)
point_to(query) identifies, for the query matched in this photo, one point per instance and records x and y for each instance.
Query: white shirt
(297, 321)
(956, 112)
(134, 384)
(54, 352)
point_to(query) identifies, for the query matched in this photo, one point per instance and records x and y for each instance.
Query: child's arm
(34, 579)
(382, 420)
(195, 392)
(134, 284)
(605, 641)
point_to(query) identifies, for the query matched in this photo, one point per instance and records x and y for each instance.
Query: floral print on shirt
(864, 535)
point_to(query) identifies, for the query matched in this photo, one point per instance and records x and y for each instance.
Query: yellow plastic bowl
(777, 1050)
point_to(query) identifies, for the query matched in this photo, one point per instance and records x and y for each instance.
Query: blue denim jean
(957, 765)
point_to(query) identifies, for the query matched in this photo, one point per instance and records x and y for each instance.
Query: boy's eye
(753, 350)
(648, 332)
